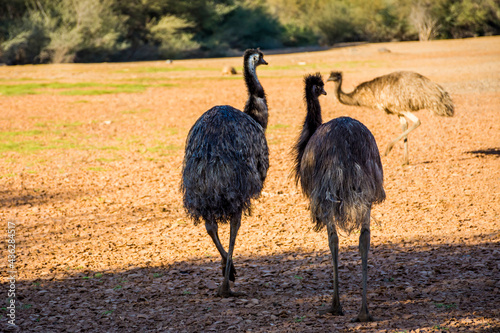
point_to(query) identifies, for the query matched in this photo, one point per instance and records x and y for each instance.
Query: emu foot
(225, 292)
(334, 310)
(232, 271)
(363, 317)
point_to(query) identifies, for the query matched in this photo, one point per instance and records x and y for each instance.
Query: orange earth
(90, 168)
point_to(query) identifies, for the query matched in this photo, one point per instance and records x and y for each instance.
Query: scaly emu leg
(224, 289)
(404, 127)
(416, 123)
(212, 230)
(364, 247)
(333, 242)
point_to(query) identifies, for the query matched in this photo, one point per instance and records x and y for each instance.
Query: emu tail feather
(342, 174)
(442, 105)
(346, 199)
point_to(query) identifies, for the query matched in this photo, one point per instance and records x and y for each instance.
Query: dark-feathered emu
(225, 164)
(338, 166)
(399, 93)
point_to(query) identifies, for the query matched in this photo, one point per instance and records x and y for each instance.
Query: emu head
(335, 77)
(254, 57)
(314, 85)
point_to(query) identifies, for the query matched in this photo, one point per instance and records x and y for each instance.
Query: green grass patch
(96, 169)
(171, 130)
(109, 160)
(103, 148)
(20, 133)
(75, 89)
(163, 148)
(278, 126)
(135, 111)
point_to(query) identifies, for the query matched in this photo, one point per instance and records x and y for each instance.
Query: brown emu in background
(338, 166)
(399, 93)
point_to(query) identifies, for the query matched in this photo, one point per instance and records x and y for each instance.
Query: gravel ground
(91, 183)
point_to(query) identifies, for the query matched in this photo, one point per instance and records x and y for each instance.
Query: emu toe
(362, 318)
(225, 292)
(336, 311)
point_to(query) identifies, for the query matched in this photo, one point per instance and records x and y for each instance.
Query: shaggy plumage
(338, 166)
(225, 164)
(399, 93)
(339, 169)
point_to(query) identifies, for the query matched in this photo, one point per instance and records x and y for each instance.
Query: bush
(170, 36)
(245, 26)
(470, 18)
(34, 31)
(87, 30)
(26, 40)
(336, 23)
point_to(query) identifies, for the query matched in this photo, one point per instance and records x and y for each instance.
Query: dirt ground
(103, 244)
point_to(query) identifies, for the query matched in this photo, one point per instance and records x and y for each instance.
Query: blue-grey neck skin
(256, 105)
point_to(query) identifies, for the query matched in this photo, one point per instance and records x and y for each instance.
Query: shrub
(87, 30)
(169, 33)
(26, 39)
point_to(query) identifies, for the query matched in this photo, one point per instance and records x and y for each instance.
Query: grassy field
(90, 161)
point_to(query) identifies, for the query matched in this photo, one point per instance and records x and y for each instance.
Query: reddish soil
(103, 243)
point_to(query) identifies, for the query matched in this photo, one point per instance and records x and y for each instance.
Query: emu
(225, 165)
(399, 93)
(339, 169)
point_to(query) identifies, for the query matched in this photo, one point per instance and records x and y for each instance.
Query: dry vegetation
(90, 170)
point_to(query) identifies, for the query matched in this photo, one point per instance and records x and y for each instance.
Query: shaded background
(54, 31)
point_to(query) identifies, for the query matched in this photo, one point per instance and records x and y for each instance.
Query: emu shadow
(412, 285)
(486, 152)
(33, 197)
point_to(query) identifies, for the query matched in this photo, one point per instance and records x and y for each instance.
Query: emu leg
(212, 230)
(333, 242)
(404, 127)
(224, 289)
(364, 247)
(416, 123)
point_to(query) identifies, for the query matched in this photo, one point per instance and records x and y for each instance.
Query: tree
(422, 20)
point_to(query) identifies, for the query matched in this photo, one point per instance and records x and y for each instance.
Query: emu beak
(323, 92)
(262, 61)
(330, 79)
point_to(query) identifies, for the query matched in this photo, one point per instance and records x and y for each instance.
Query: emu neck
(312, 122)
(256, 106)
(344, 98)
(313, 117)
